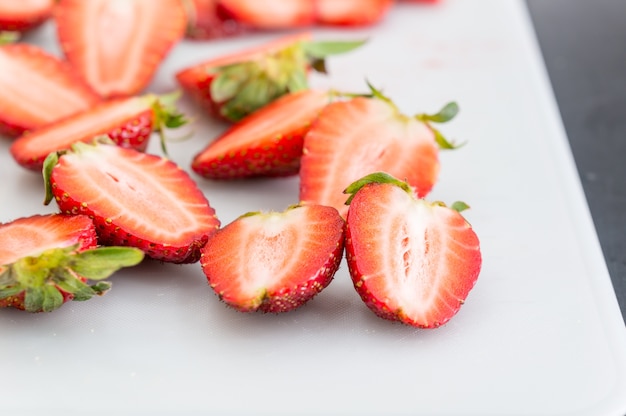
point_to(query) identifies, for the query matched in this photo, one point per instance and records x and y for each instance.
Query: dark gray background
(584, 47)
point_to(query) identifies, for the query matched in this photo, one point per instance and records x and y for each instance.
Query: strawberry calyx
(166, 115)
(447, 113)
(244, 87)
(59, 274)
(7, 37)
(385, 178)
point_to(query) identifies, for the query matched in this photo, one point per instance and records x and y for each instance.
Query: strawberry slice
(45, 261)
(410, 260)
(266, 143)
(129, 122)
(274, 262)
(272, 14)
(37, 88)
(353, 138)
(232, 86)
(206, 19)
(351, 12)
(24, 15)
(135, 199)
(116, 45)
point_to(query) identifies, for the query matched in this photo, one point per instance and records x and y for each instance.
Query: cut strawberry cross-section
(410, 260)
(274, 262)
(135, 199)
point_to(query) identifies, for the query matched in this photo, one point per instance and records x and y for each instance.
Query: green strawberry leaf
(376, 177)
(102, 262)
(80, 290)
(459, 206)
(48, 165)
(444, 143)
(33, 299)
(101, 288)
(447, 113)
(7, 37)
(8, 291)
(52, 298)
(321, 49)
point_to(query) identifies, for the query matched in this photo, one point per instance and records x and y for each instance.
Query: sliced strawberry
(37, 88)
(351, 139)
(351, 12)
(135, 199)
(232, 86)
(45, 261)
(410, 260)
(266, 143)
(118, 45)
(129, 122)
(24, 15)
(272, 14)
(206, 19)
(274, 262)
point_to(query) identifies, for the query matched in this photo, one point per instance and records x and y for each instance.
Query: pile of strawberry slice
(364, 167)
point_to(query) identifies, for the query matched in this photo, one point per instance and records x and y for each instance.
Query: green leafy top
(447, 113)
(166, 115)
(44, 279)
(376, 177)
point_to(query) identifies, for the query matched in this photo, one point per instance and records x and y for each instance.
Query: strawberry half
(206, 19)
(128, 122)
(274, 262)
(351, 12)
(410, 260)
(271, 14)
(21, 16)
(117, 46)
(232, 86)
(353, 138)
(135, 199)
(268, 142)
(48, 89)
(45, 261)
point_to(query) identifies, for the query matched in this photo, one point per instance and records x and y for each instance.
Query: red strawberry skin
(50, 89)
(274, 262)
(410, 261)
(351, 139)
(136, 200)
(351, 12)
(207, 19)
(272, 14)
(266, 143)
(22, 16)
(31, 236)
(129, 122)
(118, 46)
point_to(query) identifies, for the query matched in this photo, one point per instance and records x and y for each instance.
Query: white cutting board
(541, 333)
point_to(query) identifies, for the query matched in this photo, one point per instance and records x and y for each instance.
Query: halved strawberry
(351, 12)
(268, 142)
(353, 138)
(206, 19)
(118, 45)
(272, 14)
(232, 86)
(45, 261)
(129, 122)
(410, 260)
(24, 15)
(274, 262)
(37, 88)
(135, 199)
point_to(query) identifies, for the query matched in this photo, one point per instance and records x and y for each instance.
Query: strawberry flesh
(117, 46)
(207, 19)
(351, 139)
(266, 143)
(410, 261)
(351, 12)
(271, 14)
(24, 15)
(37, 89)
(135, 199)
(274, 262)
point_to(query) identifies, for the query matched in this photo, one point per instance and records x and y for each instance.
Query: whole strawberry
(135, 199)
(232, 86)
(410, 260)
(276, 261)
(46, 260)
